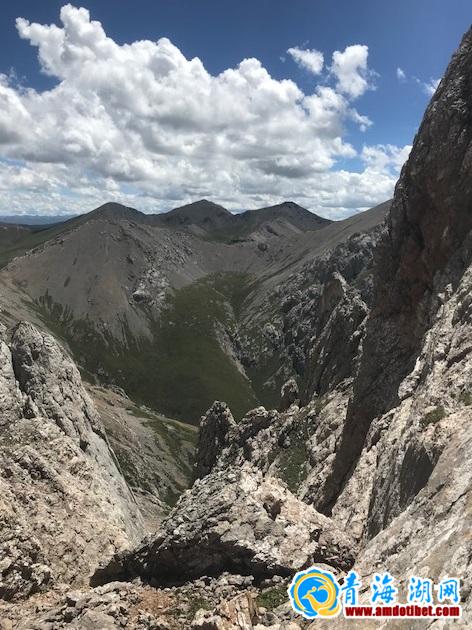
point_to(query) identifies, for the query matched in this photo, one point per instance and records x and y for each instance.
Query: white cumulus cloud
(142, 124)
(385, 157)
(311, 60)
(351, 70)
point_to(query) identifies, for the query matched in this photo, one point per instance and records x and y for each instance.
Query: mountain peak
(199, 207)
(290, 204)
(286, 211)
(112, 210)
(289, 207)
(202, 213)
(206, 203)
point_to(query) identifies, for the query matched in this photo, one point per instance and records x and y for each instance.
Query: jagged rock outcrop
(297, 446)
(288, 394)
(234, 520)
(63, 499)
(423, 253)
(224, 443)
(214, 428)
(311, 324)
(52, 384)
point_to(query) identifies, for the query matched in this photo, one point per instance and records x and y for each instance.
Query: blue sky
(417, 37)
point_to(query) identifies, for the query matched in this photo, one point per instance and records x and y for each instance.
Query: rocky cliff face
(63, 498)
(404, 441)
(422, 256)
(310, 325)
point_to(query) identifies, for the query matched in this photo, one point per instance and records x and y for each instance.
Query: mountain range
(160, 304)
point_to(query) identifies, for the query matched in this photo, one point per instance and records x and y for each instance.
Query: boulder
(234, 520)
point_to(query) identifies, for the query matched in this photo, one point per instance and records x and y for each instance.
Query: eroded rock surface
(310, 325)
(63, 499)
(214, 428)
(421, 258)
(227, 602)
(235, 520)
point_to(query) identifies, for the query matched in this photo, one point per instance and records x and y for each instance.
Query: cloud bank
(141, 124)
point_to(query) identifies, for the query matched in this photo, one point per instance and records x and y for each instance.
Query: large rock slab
(234, 520)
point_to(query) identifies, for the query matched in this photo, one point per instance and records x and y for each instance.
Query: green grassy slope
(184, 368)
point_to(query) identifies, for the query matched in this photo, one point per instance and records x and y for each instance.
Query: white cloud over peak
(351, 71)
(141, 124)
(311, 60)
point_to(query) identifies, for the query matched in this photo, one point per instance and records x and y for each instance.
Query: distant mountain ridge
(207, 219)
(38, 220)
(203, 218)
(155, 302)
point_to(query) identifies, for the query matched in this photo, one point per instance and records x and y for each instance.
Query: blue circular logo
(315, 593)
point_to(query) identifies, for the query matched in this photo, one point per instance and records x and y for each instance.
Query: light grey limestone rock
(431, 538)
(10, 400)
(63, 499)
(51, 380)
(234, 519)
